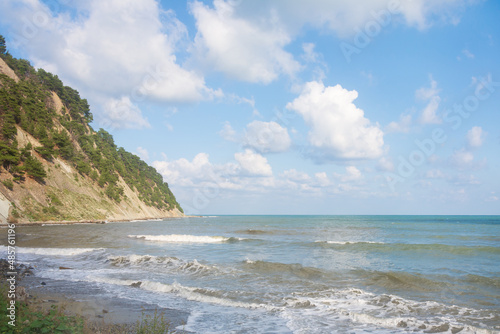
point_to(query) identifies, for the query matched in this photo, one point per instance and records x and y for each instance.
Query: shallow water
(288, 274)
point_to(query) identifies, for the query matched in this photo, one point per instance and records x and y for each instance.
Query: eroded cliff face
(66, 194)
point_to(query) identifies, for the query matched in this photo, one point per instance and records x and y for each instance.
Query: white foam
(193, 267)
(355, 307)
(109, 280)
(182, 238)
(188, 293)
(53, 251)
(196, 294)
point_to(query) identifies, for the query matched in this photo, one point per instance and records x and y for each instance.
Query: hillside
(55, 167)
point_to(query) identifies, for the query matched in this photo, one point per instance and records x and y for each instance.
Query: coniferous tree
(3, 47)
(34, 168)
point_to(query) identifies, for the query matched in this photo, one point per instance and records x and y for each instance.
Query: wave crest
(171, 263)
(185, 238)
(52, 251)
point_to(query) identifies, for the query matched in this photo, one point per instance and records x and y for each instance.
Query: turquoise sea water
(288, 274)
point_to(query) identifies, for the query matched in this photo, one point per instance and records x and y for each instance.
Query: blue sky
(287, 107)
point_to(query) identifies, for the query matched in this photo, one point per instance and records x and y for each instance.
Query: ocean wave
(202, 295)
(254, 232)
(52, 251)
(283, 268)
(355, 307)
(184, 238)
(400, 280)
(157, 262)
(400, 247)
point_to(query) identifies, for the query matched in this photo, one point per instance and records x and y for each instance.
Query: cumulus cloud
(475, 137)
(351, 174)
(296, 176)
(227, 132)
(249, 173)
(253, 163)
(143, 153)
(246, 40)
(344, 17)
(196, 173)
(429, 95)
(462, 158)
(403, 125)
(267, 137)
(338, 129)
(239, 48)
(201, 171)
(122, 113)
(111, 49)
(322, 179)
(385, 164)
(309, 54)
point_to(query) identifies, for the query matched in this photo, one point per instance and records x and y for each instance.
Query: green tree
(8, 155)
(34, 168)
(3, 47)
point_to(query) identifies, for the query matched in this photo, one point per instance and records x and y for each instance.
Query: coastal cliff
(55, 167)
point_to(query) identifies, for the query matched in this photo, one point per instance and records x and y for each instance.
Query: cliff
(55, 167)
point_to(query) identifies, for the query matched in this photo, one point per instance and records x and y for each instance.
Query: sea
(285, 274)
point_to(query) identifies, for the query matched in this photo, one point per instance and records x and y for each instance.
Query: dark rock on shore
(21, 270)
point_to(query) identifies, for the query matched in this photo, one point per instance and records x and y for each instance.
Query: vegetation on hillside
(66, 134)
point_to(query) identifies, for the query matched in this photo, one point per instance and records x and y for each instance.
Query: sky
(287, 107)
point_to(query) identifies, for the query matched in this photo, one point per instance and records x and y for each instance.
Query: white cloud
(352, 174)
(468, 54)
(427, 93)
(430, 94)
(267, 137)
(246, 39)
(196, 173)
(143, 153)
(339, 130)
(345, 17)
(464, 179)
(429, 115)
(122, 113)
(111, 48)
(253, 163)
(322, 179)
(492, 198)
(296, 176)
(475, 137)
(309, 54)
(385, 164)
(435, 174)
(239, 48)
(403, 125)
(227, 132)
(462, 158)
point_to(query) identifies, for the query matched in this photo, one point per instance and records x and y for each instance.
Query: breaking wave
(52, 251)
(184, 238)
(165, 262)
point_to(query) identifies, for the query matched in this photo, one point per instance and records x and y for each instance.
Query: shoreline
(115, 315)
(99, 314)
(92, 221)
